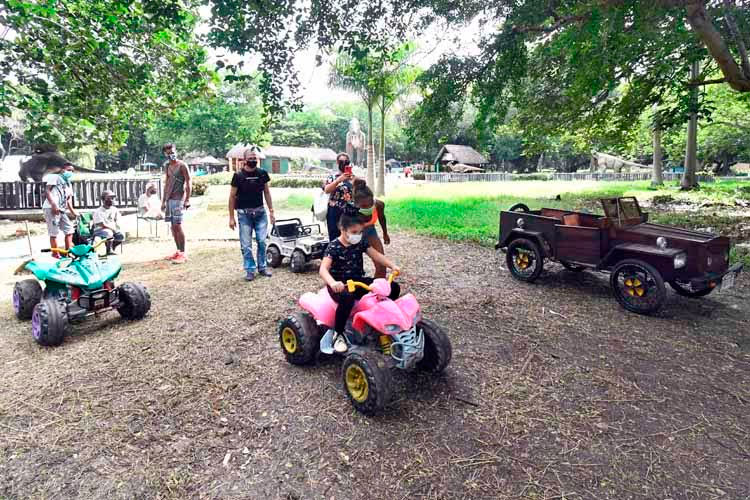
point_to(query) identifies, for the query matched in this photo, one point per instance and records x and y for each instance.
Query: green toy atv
(78, 285)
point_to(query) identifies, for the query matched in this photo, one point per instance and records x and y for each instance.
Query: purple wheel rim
(36, 324)
(16, 300)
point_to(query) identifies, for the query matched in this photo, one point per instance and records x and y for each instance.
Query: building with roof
(456, 153)
(276, 159)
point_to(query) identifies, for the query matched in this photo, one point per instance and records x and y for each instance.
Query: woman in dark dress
(340, 190)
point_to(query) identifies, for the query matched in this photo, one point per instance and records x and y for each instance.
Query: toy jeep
(639, 256)
(300, 243)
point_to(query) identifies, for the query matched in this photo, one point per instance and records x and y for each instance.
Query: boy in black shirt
(342, 262)
(249, 187)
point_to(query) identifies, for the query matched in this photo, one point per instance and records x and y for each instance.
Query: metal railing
(577, 176)
(86, 193)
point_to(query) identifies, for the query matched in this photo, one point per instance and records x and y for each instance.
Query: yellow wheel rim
(634, 287)
(289, 340)
(356, 383)
(522, 260)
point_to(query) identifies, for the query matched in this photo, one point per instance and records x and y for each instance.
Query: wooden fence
(578, 176)
(86, 193)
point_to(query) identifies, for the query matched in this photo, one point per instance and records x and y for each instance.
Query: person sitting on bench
(107, 222)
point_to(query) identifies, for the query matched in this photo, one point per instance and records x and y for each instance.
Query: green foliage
(214, 123)
(82, 70)
(225, 178)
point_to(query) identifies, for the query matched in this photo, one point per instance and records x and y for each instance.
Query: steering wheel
(307, 231)
(68, 253)
(519, 207)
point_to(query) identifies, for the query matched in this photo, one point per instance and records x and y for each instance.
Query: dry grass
(553, 392)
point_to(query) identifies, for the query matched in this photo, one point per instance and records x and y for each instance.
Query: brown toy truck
(639, 256)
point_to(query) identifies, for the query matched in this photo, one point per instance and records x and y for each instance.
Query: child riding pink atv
(364, 319)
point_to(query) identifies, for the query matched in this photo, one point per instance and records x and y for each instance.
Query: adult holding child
(340, 189)
(250, 185)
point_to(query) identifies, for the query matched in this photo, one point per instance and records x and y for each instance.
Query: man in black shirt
(249, 186)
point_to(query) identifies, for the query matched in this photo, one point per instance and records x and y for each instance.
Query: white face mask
(354, 238)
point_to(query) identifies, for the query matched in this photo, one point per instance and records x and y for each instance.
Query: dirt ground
(554, 391)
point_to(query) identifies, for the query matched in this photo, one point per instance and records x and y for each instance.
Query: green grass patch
(470, 211)
(295, 201)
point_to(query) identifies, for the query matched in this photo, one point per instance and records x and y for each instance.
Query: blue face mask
(67, 175)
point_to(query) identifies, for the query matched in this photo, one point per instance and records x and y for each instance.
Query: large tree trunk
(370, 151)
(380, 187)
(734, 75)
(657, 178)
(691, 150)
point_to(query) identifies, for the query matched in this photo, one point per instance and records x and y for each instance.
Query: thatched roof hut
(456, 153)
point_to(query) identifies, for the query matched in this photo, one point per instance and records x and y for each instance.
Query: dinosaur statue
(603, 162)
(355, 143)
(43, 158)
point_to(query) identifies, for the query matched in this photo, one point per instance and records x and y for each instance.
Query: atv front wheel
(437, 347)
(298, 261)
(367, 381)
(273, 256)
(49, 322)
(135, 301)
(299, 337)
(26, 294)
(524, 260)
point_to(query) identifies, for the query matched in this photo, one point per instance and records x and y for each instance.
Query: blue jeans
(253, 219)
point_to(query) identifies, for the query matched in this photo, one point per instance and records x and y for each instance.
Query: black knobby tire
(437, 347)
(298, 261)
(135, 301)
(26, 295)
(273, 256)
(299, 337)
(370, 368)
(645, 293)
(576, 268)
(49, 322)
(686, 290)
(524, 260)
(519, 207)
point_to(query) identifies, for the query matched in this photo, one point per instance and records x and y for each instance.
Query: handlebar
(63, 251)
(352, 285)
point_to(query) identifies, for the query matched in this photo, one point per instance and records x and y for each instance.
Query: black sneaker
(265, 272)
(250, 276)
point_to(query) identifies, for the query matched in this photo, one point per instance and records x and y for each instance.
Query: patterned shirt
(347, 261)
(342, 196)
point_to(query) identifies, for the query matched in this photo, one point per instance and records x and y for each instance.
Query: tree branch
(559, 23)
(698, 19)
(732, 25)
(707, 82)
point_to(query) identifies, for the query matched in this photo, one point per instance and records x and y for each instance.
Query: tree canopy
(82, 69)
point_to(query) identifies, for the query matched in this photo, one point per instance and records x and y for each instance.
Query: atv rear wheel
(367, 381)
(298, 261)
(637, 286)
(524, 260)
(135, 301)
(437, 347)
(273, 256)
(686, 289)
(49, 322)
(26, 295)
(299, 337)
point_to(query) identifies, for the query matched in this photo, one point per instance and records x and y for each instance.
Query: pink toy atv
(381, 333)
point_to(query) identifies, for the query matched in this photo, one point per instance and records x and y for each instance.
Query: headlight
(661, 242)
(519, 222)
(392, 328)
(709, 261)
(680, 260)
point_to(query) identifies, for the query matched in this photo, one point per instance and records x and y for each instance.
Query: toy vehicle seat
(321, 306)
(287, 229)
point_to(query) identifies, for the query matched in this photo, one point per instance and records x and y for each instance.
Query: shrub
(199, 188)
(418, 176)
(295, 182)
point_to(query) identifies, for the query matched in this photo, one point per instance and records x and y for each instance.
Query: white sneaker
(339, 345)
